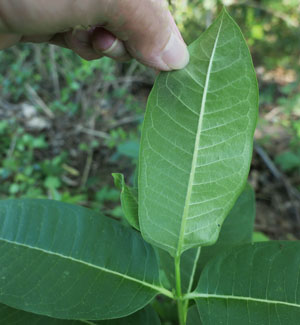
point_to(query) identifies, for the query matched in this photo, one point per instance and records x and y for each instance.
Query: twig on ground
(12, 146)
(95, 133)
(54, 73)
(37, 100)
(292, 192)
(124, 121)
(87, 168)
(38, 60)
(268, 162)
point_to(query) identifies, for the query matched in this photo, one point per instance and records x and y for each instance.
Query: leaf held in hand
(197, 141)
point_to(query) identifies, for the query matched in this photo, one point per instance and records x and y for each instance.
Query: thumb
(149, 33)
(145, 27)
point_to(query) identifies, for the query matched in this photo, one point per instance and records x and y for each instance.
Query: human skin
(120, 29)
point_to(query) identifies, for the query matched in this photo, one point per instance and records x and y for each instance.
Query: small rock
(37, 123)
(28, 110)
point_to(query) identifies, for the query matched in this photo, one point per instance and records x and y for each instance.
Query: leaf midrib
(197, 143)
(103, 269)
(215, 296)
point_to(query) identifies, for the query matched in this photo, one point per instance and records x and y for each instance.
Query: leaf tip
(118, 180)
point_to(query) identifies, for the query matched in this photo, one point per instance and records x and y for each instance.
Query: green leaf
(237, 228)
(129, 149)
(129, 200)
(197, 141)
(259, 236)
(193, 317)
(252, 284)
(146, 316)
(66, 261)
(52, 182)
(11, 316)
(288, 160)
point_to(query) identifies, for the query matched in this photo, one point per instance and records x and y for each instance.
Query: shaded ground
(277, 193)
(277, 202)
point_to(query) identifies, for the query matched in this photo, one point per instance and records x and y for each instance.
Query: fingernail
(175, 55)
(104, 40)
(106, 43)
(116, 50)
(112, 48)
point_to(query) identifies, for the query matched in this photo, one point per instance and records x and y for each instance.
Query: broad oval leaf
(66, 261)
(11, 316)
(196, 141)
(252, 284)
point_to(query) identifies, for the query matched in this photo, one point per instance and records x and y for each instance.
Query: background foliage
(66, 124)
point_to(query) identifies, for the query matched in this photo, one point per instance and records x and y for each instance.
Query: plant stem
(186, 302)
(180, 302)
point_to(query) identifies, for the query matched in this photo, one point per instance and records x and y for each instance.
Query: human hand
(120, 29)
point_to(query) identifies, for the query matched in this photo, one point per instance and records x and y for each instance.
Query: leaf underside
(253, 284)
(236, 230)
(68, 262)
(196, 142)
